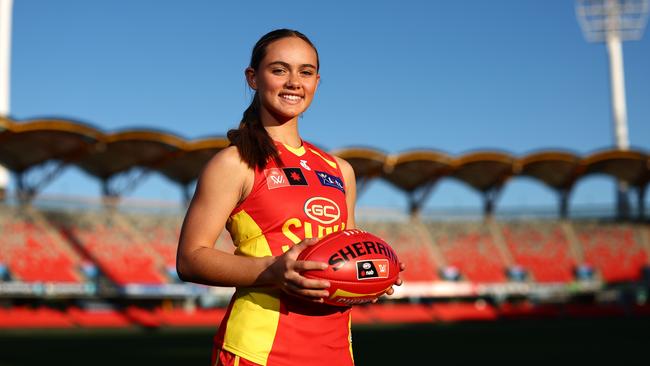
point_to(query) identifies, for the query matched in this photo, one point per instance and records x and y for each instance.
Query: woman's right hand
(285, 273)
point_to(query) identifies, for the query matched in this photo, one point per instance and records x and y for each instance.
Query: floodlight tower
(612, 22)
(5, 54)
(5, 60)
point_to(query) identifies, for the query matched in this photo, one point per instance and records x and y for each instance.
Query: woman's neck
(286, 133)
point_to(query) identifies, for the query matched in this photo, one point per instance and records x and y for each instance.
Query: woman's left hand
(398, 282)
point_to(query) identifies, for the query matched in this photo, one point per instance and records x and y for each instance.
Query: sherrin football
(361, 266)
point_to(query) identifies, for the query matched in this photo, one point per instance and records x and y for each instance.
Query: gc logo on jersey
(330, 180)
(323, 210)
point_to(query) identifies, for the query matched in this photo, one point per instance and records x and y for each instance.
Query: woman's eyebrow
(282, 63)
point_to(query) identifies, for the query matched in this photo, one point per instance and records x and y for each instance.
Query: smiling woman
(275, 194)
(284, 74)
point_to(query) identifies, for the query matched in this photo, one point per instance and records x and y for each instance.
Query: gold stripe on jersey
(252, 324)
(247, 235)
(328, 161)
(350, 336)
(298, 151)
(255, 312)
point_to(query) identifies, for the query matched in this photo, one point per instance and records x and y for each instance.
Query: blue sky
(513, 75)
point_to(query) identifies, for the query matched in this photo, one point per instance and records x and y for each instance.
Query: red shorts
(224, 358)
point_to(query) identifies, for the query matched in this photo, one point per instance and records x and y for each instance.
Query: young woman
(276, 194)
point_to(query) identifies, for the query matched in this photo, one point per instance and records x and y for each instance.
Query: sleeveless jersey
(304, 197)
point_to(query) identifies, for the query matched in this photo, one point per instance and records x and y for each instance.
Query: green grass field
(553, 342)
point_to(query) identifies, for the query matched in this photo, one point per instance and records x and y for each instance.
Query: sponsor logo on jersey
(330, 180)
(303, 163)
(374, 268)
(295, 176)
(275, 178)
(323, 210)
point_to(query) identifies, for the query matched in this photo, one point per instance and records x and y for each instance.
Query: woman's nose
(293, 81)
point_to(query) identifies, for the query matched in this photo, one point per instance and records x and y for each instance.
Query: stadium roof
(411, 170)
(124, 150)
(557, 169)
(629, 166)
(484, 170)
(28, 144)
(186, 165)
(366, 162)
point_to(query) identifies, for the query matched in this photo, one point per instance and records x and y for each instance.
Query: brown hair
(254, 144)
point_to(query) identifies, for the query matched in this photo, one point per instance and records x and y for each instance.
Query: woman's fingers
(310, 294)
(301, 266)
(307, 283)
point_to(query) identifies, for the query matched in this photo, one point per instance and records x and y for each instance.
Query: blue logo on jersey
(330, 180)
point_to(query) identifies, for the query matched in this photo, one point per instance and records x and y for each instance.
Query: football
(361, 266)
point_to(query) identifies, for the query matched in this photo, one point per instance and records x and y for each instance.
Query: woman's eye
(278, 71)
(308, 73)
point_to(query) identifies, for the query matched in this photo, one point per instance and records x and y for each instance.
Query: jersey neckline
(298, 151)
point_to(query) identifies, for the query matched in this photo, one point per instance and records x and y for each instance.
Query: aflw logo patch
(374, 268)
(276, 177)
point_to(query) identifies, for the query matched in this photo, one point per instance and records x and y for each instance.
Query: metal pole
(5, 54)
(619, 109)
(6, 7)
(617, 78)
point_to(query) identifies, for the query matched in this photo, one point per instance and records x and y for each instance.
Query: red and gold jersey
(302, 198)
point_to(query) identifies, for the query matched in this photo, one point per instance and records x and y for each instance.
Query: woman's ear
(250, 77)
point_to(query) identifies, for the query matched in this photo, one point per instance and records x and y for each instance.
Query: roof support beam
(32, 181)
(418, 197)
(117, 185)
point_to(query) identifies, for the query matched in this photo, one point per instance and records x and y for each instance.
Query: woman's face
(286, 79)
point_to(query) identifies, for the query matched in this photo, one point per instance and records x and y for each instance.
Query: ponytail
(254, 144)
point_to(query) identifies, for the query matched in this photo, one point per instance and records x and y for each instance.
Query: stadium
(93, 278)
(107, 264)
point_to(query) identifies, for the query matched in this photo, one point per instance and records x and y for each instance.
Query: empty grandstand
(107, 263)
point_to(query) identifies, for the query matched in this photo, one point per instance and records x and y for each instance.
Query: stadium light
(612, 22)
(5, 59)
(5, 54)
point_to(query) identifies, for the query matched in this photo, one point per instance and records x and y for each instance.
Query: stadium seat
(527, 310)
(100, 318)
(118, 255)
(541, 248)
(32, 253)
(20, 317)
(195, 318)
(614, 249)
(454, 312)
(470, 248)
(142, 317)
(360, 315)
(400, 313)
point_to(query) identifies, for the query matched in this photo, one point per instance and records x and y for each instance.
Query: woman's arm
(350, 190)
(225, 182)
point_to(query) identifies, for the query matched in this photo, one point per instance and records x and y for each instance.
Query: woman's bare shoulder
(344, 165)
(227, 160)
